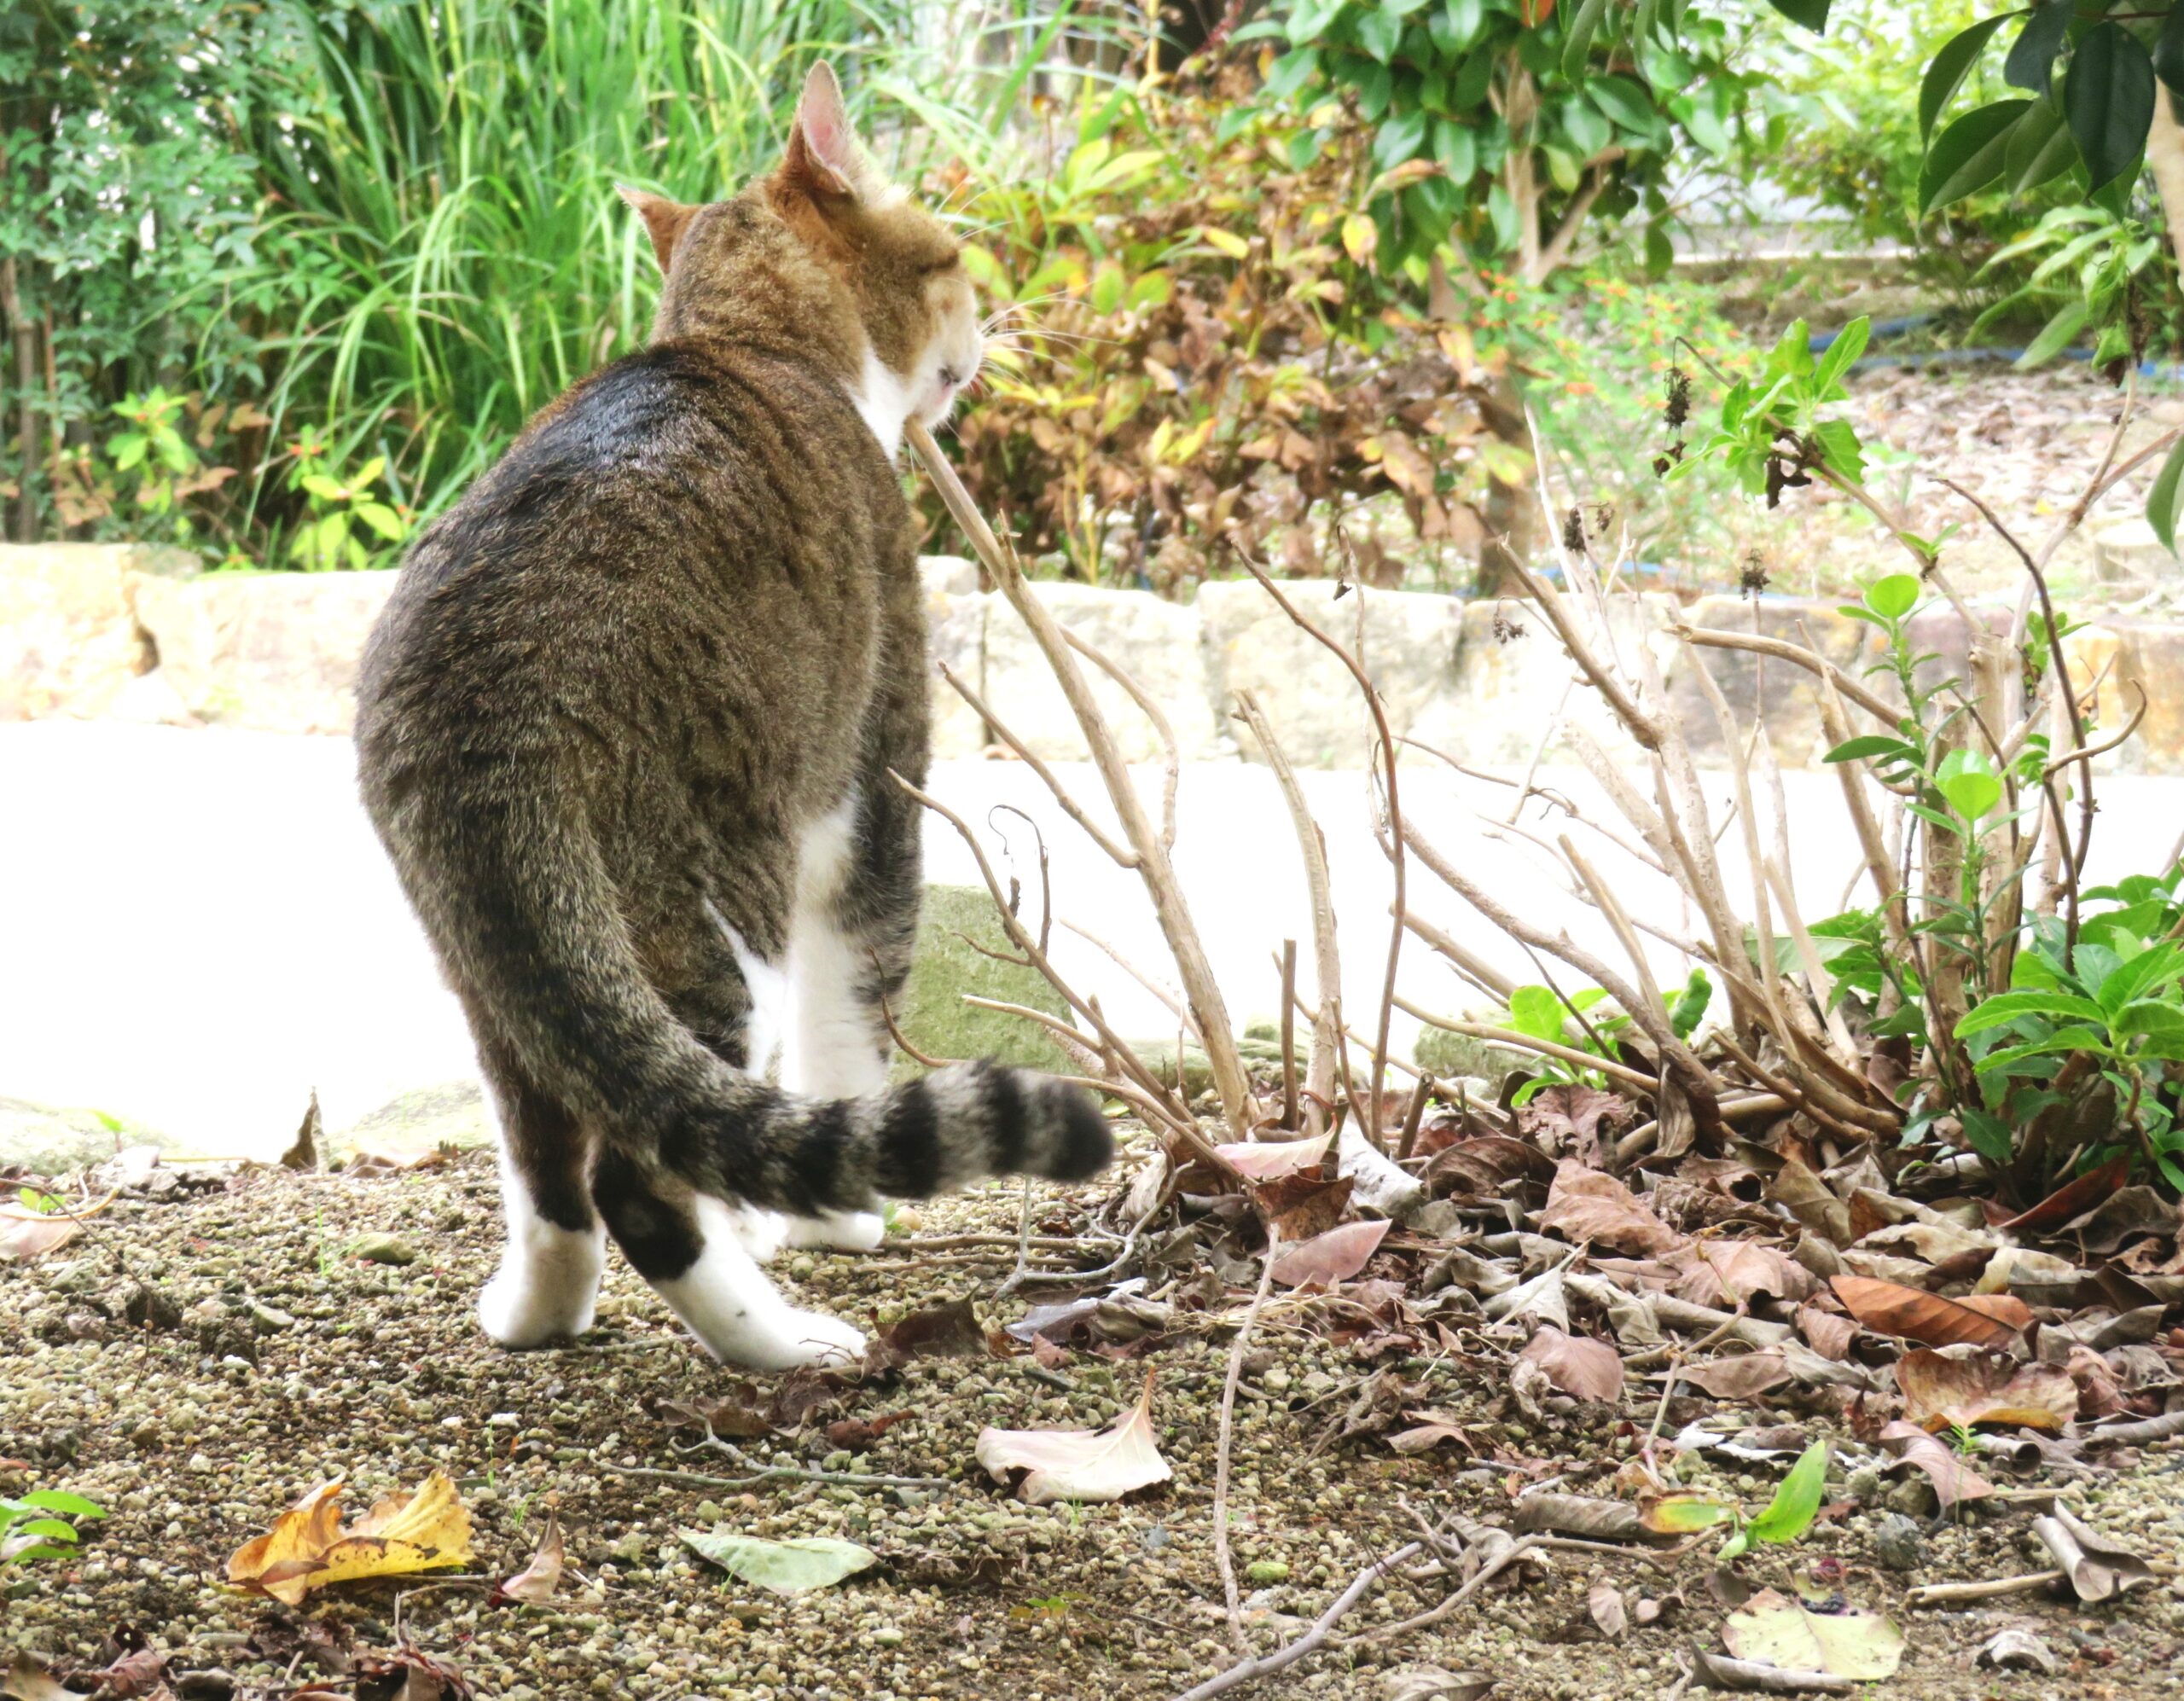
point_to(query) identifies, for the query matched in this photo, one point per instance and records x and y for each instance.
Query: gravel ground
(283, 1361)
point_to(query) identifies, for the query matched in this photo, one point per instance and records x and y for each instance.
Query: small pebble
(1898, 1543)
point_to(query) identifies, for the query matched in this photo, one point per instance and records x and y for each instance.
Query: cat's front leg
(548, 1282)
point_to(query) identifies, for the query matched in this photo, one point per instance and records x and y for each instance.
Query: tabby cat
(626, 728)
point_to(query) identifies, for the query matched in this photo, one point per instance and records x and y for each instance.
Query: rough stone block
(2148, 656)
(2128, 556)
(931, 1012)
(69, 641)
(453, 1113)
(273, 652)
(1512, 674)
(1156, 643)
(956, 635)
(1787, 694)
(1408, 649)
(46, 1140)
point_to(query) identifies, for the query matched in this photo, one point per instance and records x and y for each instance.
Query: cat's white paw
(848, 1231)
(814, 1338)
(763, 1233)
(516, 1311)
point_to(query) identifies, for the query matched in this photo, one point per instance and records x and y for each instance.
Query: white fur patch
(739, 1316)
(883, 400)
(767, 985)
(549, 1279)
(832, 1047)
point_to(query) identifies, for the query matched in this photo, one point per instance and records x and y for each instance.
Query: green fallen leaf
(1793, 1508)
(797, 1567)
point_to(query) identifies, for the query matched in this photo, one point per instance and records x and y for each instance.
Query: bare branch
(1311, 844)
(1154, 867)
(1121, 856)
(1387, 750)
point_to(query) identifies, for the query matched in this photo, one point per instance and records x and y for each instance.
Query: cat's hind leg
(850, 937)
(548, 1277)
(687, 1247)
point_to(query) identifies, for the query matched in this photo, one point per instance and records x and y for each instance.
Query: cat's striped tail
(530, 932)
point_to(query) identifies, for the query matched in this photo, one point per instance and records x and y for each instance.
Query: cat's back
(712, 520)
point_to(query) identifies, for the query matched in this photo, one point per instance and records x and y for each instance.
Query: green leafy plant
(159, 458)
(341, 509)
(35, 1525)
(1539, 1013)
(2112, 1007)
(2092, 263)
(1777, 430)
(1790, 1513)
(1787, 1515)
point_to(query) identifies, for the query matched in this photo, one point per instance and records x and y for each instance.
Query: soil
(276, 1360)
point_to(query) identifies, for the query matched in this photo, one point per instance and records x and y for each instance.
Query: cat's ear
(665, 219)
(825, 159)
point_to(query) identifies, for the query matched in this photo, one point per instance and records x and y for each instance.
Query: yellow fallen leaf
(306, 1548)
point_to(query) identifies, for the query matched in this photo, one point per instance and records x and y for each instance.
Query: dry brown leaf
(307, 1549)
(1941, 1392)
(857, 1435)
(2073, 1198)
(538, 1583)
(1079, 1465)
(1801, 1193)
(945, 1331)
(2098, 1568)
(1744, 1377)
(28, 1679)
(1827, 1332)
(2099, 1394)
(1986, 1319)
(25, 1238)
(1578, 1366)
(1333, 1256)
(1724, 1273)
(1300, 1208)
(1604, 1606)
(1954, 1480)
(1484, 1167)
(1267, 1160)
(370, 1164)
(1590, 1207)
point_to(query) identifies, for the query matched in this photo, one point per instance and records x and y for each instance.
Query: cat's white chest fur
(883, 401)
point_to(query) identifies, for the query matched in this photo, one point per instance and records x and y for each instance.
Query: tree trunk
(25, 332)
(2165, 159)
(1512, 513)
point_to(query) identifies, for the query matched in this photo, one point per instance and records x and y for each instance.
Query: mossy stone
(931, 1012)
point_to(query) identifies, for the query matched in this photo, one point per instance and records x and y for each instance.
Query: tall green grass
(450, 251)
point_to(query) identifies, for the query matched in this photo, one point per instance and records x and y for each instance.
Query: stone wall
(139, 634)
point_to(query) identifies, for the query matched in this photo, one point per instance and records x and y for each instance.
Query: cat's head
(823, 250)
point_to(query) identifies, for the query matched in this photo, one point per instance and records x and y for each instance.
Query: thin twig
(1154, 867)
(1223, 1447)
(1289, 1035)
(1250, 1671)
(797, 1473)
(1636, 1080)
(1326, 958)
(1387, 753)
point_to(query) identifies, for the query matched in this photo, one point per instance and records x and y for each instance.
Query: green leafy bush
(35, 1525)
